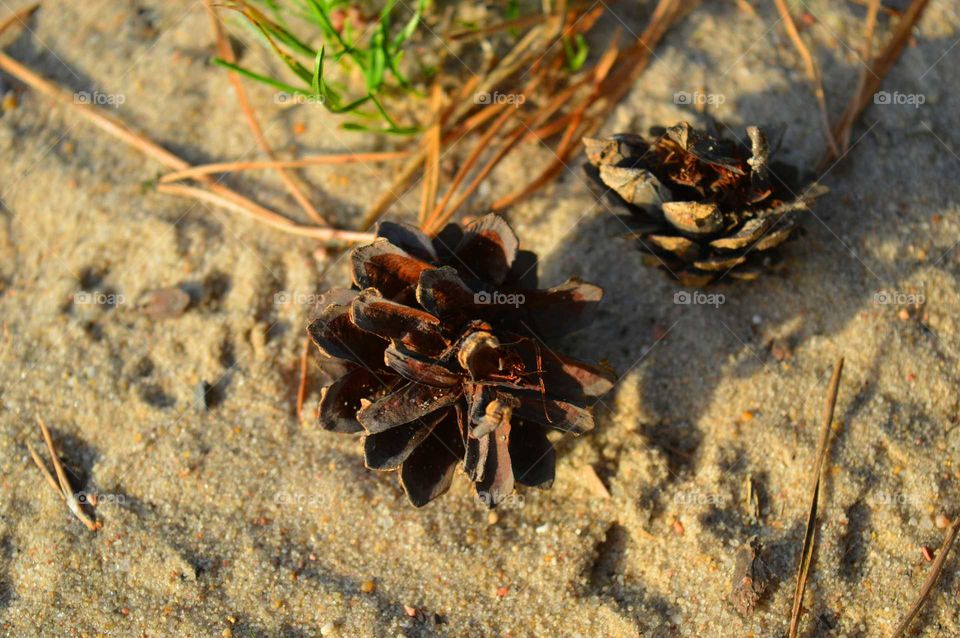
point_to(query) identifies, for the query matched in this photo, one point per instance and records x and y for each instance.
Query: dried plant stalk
(935, 570)
(225, 51)
(809, 536)
(813, 73)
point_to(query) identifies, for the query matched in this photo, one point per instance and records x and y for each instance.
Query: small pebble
(502, 591)
(164, 303)
(368, 587)
(9, 102)
(678, 527)
(492, 518)
(757, 320)
(941, 521)
(927, 554)
(904, 314)
(329, 629)
(410, 611)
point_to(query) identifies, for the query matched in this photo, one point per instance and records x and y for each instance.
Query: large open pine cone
(702, 207)
(442, 361)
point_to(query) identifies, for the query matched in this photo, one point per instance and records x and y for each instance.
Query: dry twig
(309, 160)
(931, 580)
(225, 51)
(302, 389)
(813, 73)
(878, 69)
(61, 485)
(806, 553)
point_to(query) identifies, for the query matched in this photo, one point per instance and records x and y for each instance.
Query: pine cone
(441, 359)
(702, 207)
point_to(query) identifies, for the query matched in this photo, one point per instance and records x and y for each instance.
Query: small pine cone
(440, 360)
(702, 207)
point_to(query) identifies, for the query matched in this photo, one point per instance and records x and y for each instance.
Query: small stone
(750, 577)
(502, 592)
(410, 611)
(941, 521)
(757, 320)
(164, 303)
(678, 528)
(492, 518)
(904, 314)
(368, 587)
(10, 102)
(780, 349)
(227, 633)
(328, 629)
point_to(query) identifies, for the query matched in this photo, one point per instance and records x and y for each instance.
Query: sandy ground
(238, 520)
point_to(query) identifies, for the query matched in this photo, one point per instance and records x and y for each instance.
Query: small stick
(303, 162)
(930, 581)
(879, 67)
(18, 16)
(746, 7)
(813, 73)
(225, 51)
(806, 553)
(267, 216)
(431, 142)
(62, 485)
(436, 218)
(567, 143)
(302, 390)
(220, 194)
